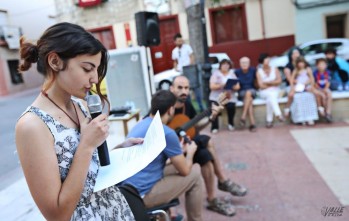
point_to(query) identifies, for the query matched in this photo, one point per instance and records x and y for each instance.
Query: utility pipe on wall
(262, 17)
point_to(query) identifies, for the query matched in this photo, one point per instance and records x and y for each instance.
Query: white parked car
(163, 80)
(314, 50)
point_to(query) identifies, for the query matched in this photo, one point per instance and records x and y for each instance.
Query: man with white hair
(247, 77)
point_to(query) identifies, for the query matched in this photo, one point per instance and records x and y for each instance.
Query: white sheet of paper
(125, 162)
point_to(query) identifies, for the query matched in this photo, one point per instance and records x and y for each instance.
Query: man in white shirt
(182, 54)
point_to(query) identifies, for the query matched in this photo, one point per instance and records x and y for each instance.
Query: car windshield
(213, 60)
(316, 47)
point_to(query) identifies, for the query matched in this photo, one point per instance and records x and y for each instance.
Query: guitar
(182, 123)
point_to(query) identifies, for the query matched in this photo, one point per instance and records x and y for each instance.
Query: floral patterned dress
(107, 204)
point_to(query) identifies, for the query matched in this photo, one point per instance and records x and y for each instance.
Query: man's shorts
(243, 93)
(202, 155)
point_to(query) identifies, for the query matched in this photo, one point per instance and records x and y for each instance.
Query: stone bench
(340, 109)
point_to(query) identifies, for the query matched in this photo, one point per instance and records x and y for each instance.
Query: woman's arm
(261, 85)
(56, 200)
(288, 74)
(277, 81)
(236, 87)
(293, 78)
(214, 85)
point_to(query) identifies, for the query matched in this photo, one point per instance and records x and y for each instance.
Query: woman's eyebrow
(86, 62)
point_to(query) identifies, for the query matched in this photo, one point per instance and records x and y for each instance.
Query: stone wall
(106, 14)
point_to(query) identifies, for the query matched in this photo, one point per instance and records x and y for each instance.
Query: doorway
(336, 26)
(161, 55)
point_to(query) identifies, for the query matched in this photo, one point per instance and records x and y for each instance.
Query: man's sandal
(221, 207)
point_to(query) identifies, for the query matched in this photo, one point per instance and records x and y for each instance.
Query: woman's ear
(55, 62)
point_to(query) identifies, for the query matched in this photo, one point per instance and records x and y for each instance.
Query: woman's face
(80, 74)
(295, 54)
(266, 61)
(225, 67)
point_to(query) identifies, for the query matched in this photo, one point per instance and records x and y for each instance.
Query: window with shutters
(228, 24)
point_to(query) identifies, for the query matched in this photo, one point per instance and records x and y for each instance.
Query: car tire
(165, 85)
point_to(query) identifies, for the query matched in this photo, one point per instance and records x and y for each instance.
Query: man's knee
(195, 170)
(210, 144)
(248, 94)
(196, 174)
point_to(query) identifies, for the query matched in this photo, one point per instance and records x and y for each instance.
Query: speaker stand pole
(150, 70)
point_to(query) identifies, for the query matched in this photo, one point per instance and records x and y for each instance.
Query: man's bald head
(245, 63)
(180, 88)
(181, 79)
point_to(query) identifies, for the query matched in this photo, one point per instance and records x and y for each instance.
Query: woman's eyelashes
(87, 70)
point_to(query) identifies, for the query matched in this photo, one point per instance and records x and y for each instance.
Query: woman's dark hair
(225, 61)
(262, 57)
(290, 52)
(162, 101)
(68, 41)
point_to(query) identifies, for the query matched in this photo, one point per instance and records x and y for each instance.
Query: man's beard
(182, 98)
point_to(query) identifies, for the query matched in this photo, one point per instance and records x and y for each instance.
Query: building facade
(236, 27)
(318, 19)
(28, 18)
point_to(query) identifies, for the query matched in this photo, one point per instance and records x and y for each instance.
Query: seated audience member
(269, 79)
(206, 154)
(293, 54)
(302, 80)
(322, 78)
(217, 86)
(247, 92)
(157, 183)
(339, 69)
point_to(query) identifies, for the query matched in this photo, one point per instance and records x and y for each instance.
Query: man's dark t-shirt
(188, 110)
(246, 79)
(202, 155)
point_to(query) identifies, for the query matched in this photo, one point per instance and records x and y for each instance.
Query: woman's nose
(94, 78)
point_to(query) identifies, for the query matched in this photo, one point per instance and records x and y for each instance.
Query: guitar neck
(196, 119)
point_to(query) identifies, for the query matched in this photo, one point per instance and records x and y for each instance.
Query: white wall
(311, 23)
(31, 16)
(278, 17)
(254, 21)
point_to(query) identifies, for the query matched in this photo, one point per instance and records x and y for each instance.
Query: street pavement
(11, 108)
(292, 172)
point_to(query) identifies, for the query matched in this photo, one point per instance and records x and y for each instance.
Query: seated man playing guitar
(205, 155)
(159, 183)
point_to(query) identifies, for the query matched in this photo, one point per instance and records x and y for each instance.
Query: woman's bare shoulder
(29, 126)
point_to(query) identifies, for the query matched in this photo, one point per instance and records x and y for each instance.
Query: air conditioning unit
(11, 35)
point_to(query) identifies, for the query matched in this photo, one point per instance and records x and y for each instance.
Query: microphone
(183, 134)
(94, 105)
